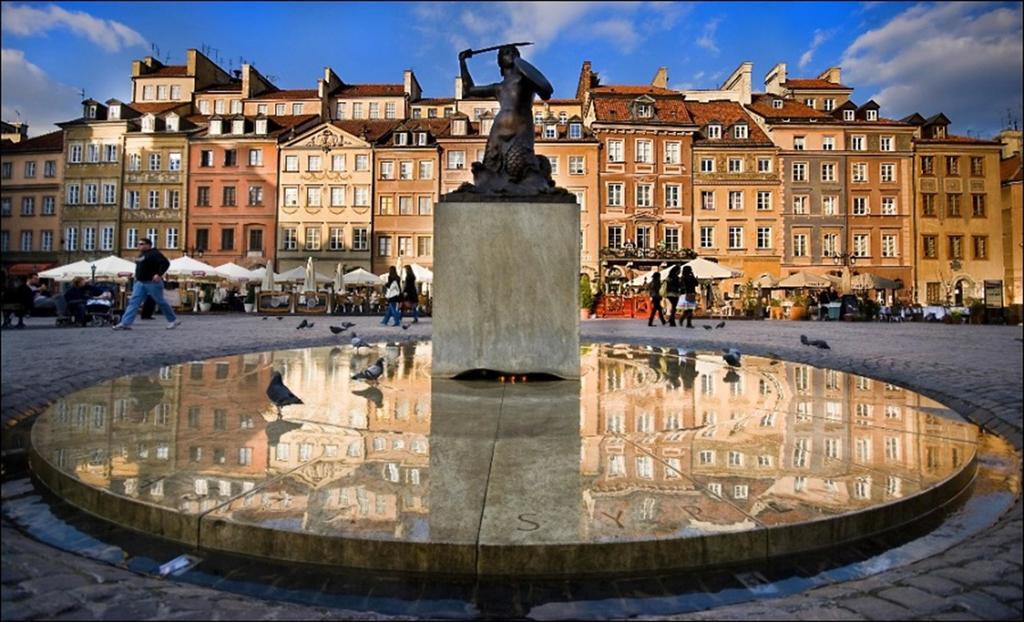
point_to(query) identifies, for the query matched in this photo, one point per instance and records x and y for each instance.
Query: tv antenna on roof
(81, 92)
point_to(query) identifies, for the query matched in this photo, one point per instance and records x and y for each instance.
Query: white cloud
(40, 100)
(963, 58)
(28, 20)
(707, 37)
(820, 36)
(621, 32)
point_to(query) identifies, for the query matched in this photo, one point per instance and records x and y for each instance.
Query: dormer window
(563, 117)
(236, 106)
(459, 127)
(714, 131)
(401, 139)
(148, 123)
(215, 127)
(538, 118)
(644, 110)
(777, 104)
(238, 126)
(114, 112)
(940, 131)
(421, 139)
(575, 130)
(550, 131)
(261, 126)
(90, 111)
(872, 115)
(847, 115)
(172, 122)
(740, 131)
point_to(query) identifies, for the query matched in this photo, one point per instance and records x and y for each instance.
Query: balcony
(659, 252)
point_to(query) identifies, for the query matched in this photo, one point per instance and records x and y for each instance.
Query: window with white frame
(888, 206)
(338, 162)
(92, 153)
(764, 237)
(858, 143)
(829, 105)
(289, 239)
(314, 163)
(154, 161)
(280, 109)
(362, 162)
(644, 195)
(550, 131)
(576, 130)
(887, 143)
(707, 165)
(800, 245)
(91, 194)
(764, 200)
(828, 143)
(255, 195)
(361, 198)
(888, 172)
(735, 165)
(313, 196)
(73, 194)
(75, 153)
(860, 245)
(616, 151)
(291, 164)
(615, 236)
(291, 196)
(49, 205)
(336, 239)
(576, 165)
(735, 237)
(872, 115)
(673, 192)
(735, 199)
(71, 238)
(28, 206)
(714, 131)
(830, 205)
(615, 194)
(313, 238)
(800, 204)
(828, 171)
(860, 172)
(673, 153)
(830, 244)
(131, 199)
(338, 196)
(154, 199)
(26, 241)
(645, 151)
(799, 170)
(860, 206)
(740, 131)
(46, 241)
(764, 165)
(171, 237)
(424, 206)
(88, 238)
(644, 238)
(848, 115)
(809, 102)
(799, 143)
(109, 194)
(110, 153)
(553, 160)
(707, 236)
(296, 109)
(888, 245)
(456, 159)
(707, 199)
(50, 168)
(672, 238)
(387, 169)
(255, 157)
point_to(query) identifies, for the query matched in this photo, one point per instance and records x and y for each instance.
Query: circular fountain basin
(655, 459)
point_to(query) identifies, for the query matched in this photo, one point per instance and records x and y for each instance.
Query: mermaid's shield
(544, 88)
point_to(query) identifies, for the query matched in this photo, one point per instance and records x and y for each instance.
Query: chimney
(661, 78)
(774, 79)
(832, 74)
(411, 85)
(1010, 140)
(458, 88)
(583, 86)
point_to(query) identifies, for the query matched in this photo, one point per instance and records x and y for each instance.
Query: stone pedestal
(506, 288)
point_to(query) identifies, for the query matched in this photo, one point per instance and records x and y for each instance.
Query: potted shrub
(977, 308)
(206, 298)
(250, 298)
(586, 297)
(775, 309)
(799, 309)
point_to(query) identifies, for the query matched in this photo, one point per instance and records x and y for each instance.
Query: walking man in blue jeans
(150, 267)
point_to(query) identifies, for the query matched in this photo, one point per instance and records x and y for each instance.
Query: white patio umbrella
(808, 280)
(310, 279)
(186, 268)
(234, 272)
(339, 278)
(423, 275)
(360, 276)
(704, 269)
(298, 275)
(112, 267)
(70, 269)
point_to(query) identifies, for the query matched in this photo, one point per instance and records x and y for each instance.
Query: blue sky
(961, 58)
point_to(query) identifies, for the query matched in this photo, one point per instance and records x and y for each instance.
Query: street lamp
(847, 261)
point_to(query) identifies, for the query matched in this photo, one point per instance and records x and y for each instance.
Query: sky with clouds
(964, 59)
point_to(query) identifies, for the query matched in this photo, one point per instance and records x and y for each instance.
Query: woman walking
(673, 289)
(411, 293)
(393, 294)
(655, 291)
(689, 289)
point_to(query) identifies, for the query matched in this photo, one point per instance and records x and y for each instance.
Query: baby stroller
(95, 315)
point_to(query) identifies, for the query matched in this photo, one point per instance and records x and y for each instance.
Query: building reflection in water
(649, 443)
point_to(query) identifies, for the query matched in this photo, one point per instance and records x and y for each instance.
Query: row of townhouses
(797, 177)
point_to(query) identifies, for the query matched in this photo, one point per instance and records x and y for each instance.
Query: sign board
(994, 294)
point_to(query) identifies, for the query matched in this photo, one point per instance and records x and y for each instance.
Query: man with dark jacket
(150, 267)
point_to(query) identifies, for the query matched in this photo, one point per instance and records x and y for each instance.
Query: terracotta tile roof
(621, 89)
(168, 70)
(813, 83)
(373, 130)
(728, 114)
(369, 90)
(54, 141)
(762, 105)
(276, 126)
(156, 108)
(1010, 169)
(954, 139)
(290, 94)
(879, 121)
(563, 102)
(614, 103)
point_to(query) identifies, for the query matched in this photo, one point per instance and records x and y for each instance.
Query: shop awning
(25, 269)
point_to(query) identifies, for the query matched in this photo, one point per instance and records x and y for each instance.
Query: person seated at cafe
(76, 297)
(823, 299)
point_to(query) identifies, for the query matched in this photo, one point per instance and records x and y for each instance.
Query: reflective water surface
(649, 444)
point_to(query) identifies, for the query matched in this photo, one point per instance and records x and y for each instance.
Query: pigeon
(280, 317)
(265, 318)
(346, 325)
(821, 344)
(338, 329)
(310, 325)
(371, 394)
(359, 342)
(708, 326)
(720, 324)
(732, 357)
(405, 325)
(371, 373)
(302, 324)
(279, 394)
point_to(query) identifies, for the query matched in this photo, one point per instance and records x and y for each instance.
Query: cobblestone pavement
(977, 370)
